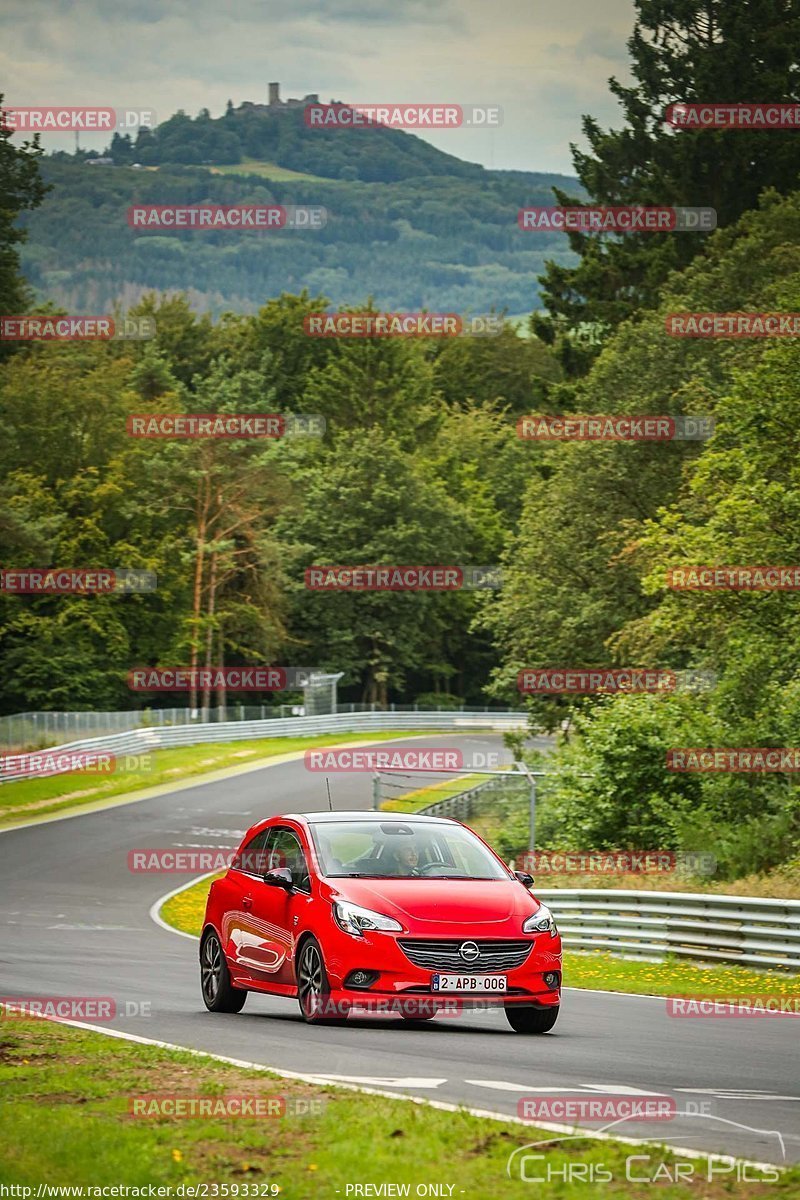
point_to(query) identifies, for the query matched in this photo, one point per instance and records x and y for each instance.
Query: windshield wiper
(352, 875)
(480, 878)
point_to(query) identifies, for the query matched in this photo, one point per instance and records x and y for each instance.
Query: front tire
(313, 987)
(524, 1018)
(219, 994)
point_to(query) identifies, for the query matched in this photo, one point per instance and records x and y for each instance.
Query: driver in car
(404, 859)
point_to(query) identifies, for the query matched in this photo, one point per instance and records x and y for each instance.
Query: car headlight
(542, 921)
(357, 921)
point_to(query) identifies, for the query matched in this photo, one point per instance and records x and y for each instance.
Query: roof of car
(316, 818)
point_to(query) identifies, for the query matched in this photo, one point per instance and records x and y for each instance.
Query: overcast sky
(544, 63)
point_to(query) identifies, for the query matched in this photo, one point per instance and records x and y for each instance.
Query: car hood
(440, 901)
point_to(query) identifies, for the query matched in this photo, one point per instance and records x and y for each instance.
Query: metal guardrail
(750, 930)
(141, 741)
(36, 729)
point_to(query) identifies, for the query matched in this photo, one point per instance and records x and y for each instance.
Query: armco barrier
(691, 925)
(140, 741)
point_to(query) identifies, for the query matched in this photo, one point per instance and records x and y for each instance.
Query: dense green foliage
(601, 524)
(403, 475)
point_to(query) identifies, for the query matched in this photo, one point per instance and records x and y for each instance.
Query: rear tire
(313, 987)
(219, 994)
(524, 1018)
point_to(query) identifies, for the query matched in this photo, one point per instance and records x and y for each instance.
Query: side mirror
(525, 879)
(279, 877)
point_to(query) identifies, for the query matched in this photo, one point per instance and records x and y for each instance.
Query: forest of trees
(421, 463)
(448, 243)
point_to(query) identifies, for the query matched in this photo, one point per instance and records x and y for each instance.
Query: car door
(251, 951)
(279, 912)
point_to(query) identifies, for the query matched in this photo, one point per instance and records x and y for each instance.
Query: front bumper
(399, 979)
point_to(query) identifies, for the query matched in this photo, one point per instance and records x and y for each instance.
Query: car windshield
(408, 850)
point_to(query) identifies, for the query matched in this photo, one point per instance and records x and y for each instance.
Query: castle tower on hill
(276, 102)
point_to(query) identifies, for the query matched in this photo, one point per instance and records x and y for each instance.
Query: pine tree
(681, 51)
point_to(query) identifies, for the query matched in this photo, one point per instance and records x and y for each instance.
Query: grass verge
(673, 977)
(266, 170)
(29, 798)
(65, 1119)
(781, 883)
(422, 797)
(596, 971)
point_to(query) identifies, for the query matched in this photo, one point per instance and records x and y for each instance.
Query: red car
(384, 911)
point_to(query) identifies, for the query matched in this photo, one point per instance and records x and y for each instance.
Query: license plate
(469, 983)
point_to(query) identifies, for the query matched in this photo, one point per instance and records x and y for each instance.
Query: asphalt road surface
(74, 921)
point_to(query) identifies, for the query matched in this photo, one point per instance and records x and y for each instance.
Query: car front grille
(446, 956)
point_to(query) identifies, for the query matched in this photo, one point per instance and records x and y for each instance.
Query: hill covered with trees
(407, 224)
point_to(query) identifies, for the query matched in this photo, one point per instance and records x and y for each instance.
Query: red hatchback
(383, 911)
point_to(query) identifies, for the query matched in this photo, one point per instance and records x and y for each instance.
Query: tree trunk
(212, 598)
(201, 514)
(222, 690)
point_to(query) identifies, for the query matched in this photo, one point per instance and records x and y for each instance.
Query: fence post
(376, 791)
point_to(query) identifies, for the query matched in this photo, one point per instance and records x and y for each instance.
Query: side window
(284, 850)
(253, 859)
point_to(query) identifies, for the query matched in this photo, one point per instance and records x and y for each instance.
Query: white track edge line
(155, 908)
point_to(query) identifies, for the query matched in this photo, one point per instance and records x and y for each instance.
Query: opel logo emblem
(469, 951)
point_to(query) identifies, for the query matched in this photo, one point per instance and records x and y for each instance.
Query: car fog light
(553, 979)
(361, 979)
